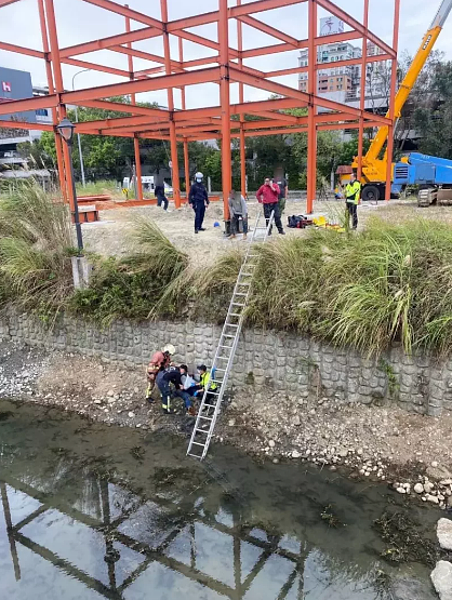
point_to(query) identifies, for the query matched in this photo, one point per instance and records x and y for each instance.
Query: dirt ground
(112, 235)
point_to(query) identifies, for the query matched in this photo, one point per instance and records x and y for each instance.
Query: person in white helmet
(199, 201)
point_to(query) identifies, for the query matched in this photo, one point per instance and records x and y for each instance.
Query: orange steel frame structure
(225, 67)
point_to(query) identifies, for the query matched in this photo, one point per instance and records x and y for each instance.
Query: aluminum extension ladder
(210, 406)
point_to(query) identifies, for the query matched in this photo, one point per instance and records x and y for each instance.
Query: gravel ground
(411, 452)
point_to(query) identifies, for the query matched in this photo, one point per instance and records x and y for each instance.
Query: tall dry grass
(36, 243)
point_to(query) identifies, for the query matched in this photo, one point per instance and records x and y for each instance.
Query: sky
(79, 21)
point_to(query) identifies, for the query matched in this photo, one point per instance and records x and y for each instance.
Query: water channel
(90, 512)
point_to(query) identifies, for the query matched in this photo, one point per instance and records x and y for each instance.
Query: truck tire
(371, 193)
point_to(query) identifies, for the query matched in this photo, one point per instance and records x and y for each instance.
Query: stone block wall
(286, 362)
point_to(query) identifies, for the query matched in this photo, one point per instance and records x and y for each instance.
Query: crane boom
(410, 78)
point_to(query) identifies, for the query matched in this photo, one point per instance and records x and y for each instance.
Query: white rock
(401, 490)
(111, 400)
(296, 454)
(444, 532)
(432, 499)
(231, 422)
(97, 401)
(442, 579)
(434, 464)
(131, 415)
(110, 393)
(428, 487)
(419, 488)
(272, 443)
(296, 421)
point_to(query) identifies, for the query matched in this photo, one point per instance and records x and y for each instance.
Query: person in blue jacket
(199, 201)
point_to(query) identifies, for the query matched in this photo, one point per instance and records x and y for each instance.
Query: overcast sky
(79, 21)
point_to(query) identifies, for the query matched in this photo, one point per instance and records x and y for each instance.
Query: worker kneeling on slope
(352, 199)
(171, 385)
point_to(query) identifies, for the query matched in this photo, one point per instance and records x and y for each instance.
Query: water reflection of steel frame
(112, 528)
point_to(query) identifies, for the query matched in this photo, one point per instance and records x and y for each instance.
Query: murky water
(90, 512)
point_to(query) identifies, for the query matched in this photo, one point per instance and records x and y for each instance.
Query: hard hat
(169, 348)
(199, 175)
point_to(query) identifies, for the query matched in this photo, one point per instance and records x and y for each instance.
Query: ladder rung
(208, 405)
(205, 418)
(194, 455)
(202, 430)
(235, 315)
(223, 357)
(231, 325)
(241, 294)
(237, 304)
(198, 444)
(228, 336)
(220, 346)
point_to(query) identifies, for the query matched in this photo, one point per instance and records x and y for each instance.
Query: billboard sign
(331, 25)
(16, 85)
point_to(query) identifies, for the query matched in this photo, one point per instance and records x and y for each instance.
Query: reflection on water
(86, 515)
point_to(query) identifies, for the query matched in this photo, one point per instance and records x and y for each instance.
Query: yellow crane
(373, 167)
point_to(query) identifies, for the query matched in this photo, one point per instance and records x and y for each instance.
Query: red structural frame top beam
(225, 66)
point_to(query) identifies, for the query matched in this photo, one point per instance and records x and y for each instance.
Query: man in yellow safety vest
(352, 199)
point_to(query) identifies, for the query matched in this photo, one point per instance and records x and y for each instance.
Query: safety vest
(353, 192)
(205, 380)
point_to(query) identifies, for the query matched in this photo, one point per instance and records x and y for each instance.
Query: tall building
(15, 85)
(334, 82)
(343, 83)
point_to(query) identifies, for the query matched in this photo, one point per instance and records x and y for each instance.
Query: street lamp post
(66, 129)
(82, 167)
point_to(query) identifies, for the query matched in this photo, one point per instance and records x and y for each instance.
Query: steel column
(362, 98)
(392, 94)
(50, 83)
(312, 84)
(223, 37)
(172, 125)
(59, 88)
(136, 142)
(242, 116)
(184, 107)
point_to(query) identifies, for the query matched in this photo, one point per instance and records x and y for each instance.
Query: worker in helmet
(352, 199)
(199, 201)
(160, 361)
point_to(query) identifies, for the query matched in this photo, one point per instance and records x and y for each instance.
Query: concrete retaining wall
(284, 361)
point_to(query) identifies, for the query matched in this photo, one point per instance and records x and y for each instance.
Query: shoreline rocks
(442, 579)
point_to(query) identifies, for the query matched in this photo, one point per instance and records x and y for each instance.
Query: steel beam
(25, 125)
(390, 144)
(312, 127)
(269, 30)
(18, 106)
(157, 113)
(143, 85)
(113, 40)
(21, 50)
(226, 169)
(362, 96)
(83, 64)
(125, 11)
(172, 125)
(51, 85)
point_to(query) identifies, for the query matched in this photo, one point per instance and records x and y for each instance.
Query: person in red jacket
(268, 195)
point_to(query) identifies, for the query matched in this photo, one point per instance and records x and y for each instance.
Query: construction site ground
(113, 234)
